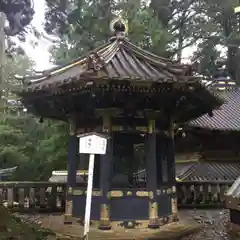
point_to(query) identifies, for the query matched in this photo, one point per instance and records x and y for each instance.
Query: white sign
(92, 144)
(89, 197)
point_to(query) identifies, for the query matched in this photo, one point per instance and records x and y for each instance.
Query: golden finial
(119, 25)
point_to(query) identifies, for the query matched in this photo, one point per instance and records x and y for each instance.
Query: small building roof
(203, 172)
(227, 118)
(7, 171)
(207, 171)
(63, 179)
(61, 176)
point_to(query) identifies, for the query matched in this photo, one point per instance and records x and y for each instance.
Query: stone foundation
(170, 231)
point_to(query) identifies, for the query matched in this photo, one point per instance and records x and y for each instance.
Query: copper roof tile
(118, 59)
(209, 171)
(203, 172)
(227, 117)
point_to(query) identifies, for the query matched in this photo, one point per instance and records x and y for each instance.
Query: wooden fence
(50, 197)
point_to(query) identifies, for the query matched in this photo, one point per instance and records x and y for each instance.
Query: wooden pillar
(162, 161)
(129, 155)
(72, 170)
(152, 175)
(105, 176)
(172, 170)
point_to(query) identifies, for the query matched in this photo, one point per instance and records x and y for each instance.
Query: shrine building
(131, 96)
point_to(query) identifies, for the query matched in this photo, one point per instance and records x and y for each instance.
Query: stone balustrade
(33, 196)
(50, 197)
(202, 194)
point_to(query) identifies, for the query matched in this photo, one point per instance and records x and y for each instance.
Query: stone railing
(50, 197)
(33, 196)
(202, 194)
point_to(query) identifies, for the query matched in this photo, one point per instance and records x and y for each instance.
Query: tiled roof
(63, 179)
(226, 118)
(182, 168)
(202, 172)
(7, 171)
(208, 171)
(119, 59)
(117, 66)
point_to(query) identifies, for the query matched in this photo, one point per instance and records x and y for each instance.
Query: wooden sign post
(91, 143)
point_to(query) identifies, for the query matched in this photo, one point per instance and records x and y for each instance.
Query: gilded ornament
(150, 195)
(77, 192)
(129, 193)
(69, 207)
(116, 20)
(142, 193)
(153, 210)
(116, 193)
(169, 191)
(70, 190)
(96, 193)
(141, 129)
(95, 62)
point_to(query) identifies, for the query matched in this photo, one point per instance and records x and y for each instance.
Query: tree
(164, 27)
(35, 148)
(19, 14)
(206, 24)
(84, 25)
(17, 64)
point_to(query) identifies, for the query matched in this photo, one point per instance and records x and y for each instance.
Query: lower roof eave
(206, 128)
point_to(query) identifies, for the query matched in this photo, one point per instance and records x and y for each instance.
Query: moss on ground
(14, 228)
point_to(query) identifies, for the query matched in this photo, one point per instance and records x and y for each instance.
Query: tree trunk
(2, 59)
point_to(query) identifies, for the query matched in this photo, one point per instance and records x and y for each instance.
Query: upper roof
(227, 118)
(119, 59)
(119, 66)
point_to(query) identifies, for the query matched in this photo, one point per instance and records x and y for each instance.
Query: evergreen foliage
(165, 27)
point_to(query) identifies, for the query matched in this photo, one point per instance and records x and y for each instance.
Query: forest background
(164, 27)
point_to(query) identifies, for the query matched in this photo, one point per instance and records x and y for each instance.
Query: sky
(40, 53)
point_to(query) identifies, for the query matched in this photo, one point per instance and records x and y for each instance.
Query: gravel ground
(214, 222)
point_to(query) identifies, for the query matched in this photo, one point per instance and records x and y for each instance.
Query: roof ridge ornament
(119, 28)
(95, 62)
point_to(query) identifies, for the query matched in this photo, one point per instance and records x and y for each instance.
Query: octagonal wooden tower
(131, 95)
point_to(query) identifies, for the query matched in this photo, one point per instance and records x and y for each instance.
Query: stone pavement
(213, 222)
(170, 231)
